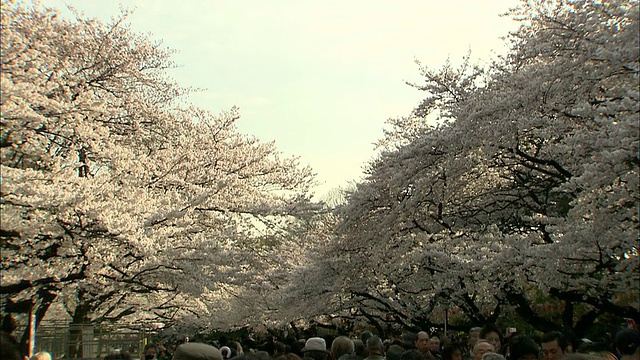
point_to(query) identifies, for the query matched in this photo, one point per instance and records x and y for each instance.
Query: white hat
(315, 344)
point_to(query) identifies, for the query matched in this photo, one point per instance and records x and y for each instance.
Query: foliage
(527, 189)
(120, 201)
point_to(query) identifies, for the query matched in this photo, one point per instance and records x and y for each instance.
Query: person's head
(359, 347)
(340, 346)
(374, 346)
(627, 343)
(117, 355)
(150, 351)
(408, 340)
(197, 351)
(394, 352)
(41, 355)
(474, 333)
(236, 348)
(126, 355)
(422, 342)
(434, 344)
(482, 347)
(523, 348)
(279, 348)
(600, 349)
(297, 346)
(493, 335)
(315, 348)
(555, 345)
(263, 355)
(365, 335)
(288, 356)
(246, 356)
(112, 355)
(581, 356)
(492, 356)
(452, 352)
(226, 352)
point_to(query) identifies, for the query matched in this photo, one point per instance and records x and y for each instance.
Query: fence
(65, 341)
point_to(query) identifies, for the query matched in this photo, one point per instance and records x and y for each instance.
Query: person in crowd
(581, 356)
(340, 346)
(315, 348)
(446, 341)
(627, 344)
(493, 356)
(226, 352)
(150, 351)
(297, 346)
(472, 338)
(572, 339)
(599, 349)
(364, 336)
(375, 348)
(163, 353)
(397, 340)
(394, 352)
(126, 355)
(360, 348)
(434, 347)
(279, 348)
(197, 351)
(263, 355)
(236, 348)
(423, 345)
(288, 356)
(409, 340)
(385, 344)
(118, 355)
(493, 335)
(41, 355)
(482, 347)
(246, 356)
(555, 345)
(522, 347)
(454, 351)
(328, 339)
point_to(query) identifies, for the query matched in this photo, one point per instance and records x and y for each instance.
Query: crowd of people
(487, 343)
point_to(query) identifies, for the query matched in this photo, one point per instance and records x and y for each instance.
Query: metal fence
(65, 341)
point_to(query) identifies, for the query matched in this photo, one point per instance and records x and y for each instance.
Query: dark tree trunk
(79, 319)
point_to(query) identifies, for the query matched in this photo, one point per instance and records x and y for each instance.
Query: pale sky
(318, 77)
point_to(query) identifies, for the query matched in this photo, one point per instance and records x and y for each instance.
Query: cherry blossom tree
(117, 199)
(525, 191)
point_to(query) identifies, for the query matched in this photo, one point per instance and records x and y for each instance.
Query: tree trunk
(79, 319)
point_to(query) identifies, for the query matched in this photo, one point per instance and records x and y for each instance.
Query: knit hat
(315, 344)
(197, 351)
(627, 341)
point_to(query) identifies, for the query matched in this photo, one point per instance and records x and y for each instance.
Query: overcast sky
(318, 77)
